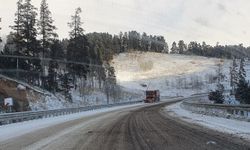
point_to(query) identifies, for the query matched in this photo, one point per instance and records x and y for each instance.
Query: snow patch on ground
(45, 102)
(95, 97)
(21, 87)
(231, 100)
(238, 128)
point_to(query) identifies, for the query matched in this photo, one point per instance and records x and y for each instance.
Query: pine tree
(195, 48)
(78, 47)
(9, 49)
(56, 53)
(17, 27)
(66, 87)
(134, 40)
(161, 45)
(204, 47)
(97, 47)
(116, 44)
(78, 51)
(153, 43)
(174, 49)
(220, 76)
(125, 42)
(234, 76)
(28, 28)
(242, 72)
(25, 38)
(182, 47)
(145, 42)
(121, 42)
(110, 83)
(46, 28)
(25, 27)
(17, 37)
(10, 46)
(217, 95)
(51, 82)
(76, 24)
(242, 92)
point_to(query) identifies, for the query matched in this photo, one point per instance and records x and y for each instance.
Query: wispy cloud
(202, 21)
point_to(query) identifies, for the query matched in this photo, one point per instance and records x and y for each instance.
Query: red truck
(152, 96)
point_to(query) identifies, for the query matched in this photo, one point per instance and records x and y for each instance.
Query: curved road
(137, 128)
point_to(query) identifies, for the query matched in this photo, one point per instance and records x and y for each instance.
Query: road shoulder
(234, 128)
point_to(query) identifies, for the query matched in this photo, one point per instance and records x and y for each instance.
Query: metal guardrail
(239, 112)
(8, 118)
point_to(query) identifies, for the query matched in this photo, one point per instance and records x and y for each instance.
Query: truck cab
(152, 96)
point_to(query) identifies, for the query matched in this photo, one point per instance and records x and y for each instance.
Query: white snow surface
(21, 87)
(231, 100)
(18, 129)
(138, 66)
(235, 127)
(173, 75)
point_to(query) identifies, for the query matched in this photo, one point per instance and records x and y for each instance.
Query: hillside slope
(172, 74)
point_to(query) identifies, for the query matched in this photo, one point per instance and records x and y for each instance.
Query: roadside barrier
(239, 112)
(9, 118)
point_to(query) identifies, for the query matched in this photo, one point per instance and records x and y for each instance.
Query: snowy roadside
(236, 128)
(18, 129)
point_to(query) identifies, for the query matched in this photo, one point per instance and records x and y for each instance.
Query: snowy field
(173, 75)
(236, 128)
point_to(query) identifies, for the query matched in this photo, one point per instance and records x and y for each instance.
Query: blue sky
(223, 21)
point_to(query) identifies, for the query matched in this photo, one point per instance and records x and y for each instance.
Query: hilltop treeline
(218, 51)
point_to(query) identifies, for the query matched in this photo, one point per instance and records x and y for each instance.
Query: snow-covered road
(18, 129)
(140, 126)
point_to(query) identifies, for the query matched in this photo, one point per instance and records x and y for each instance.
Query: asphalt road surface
(136, 128)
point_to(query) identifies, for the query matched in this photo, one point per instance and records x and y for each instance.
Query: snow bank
(238, 128)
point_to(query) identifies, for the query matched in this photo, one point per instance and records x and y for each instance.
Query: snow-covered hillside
(172, 74)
